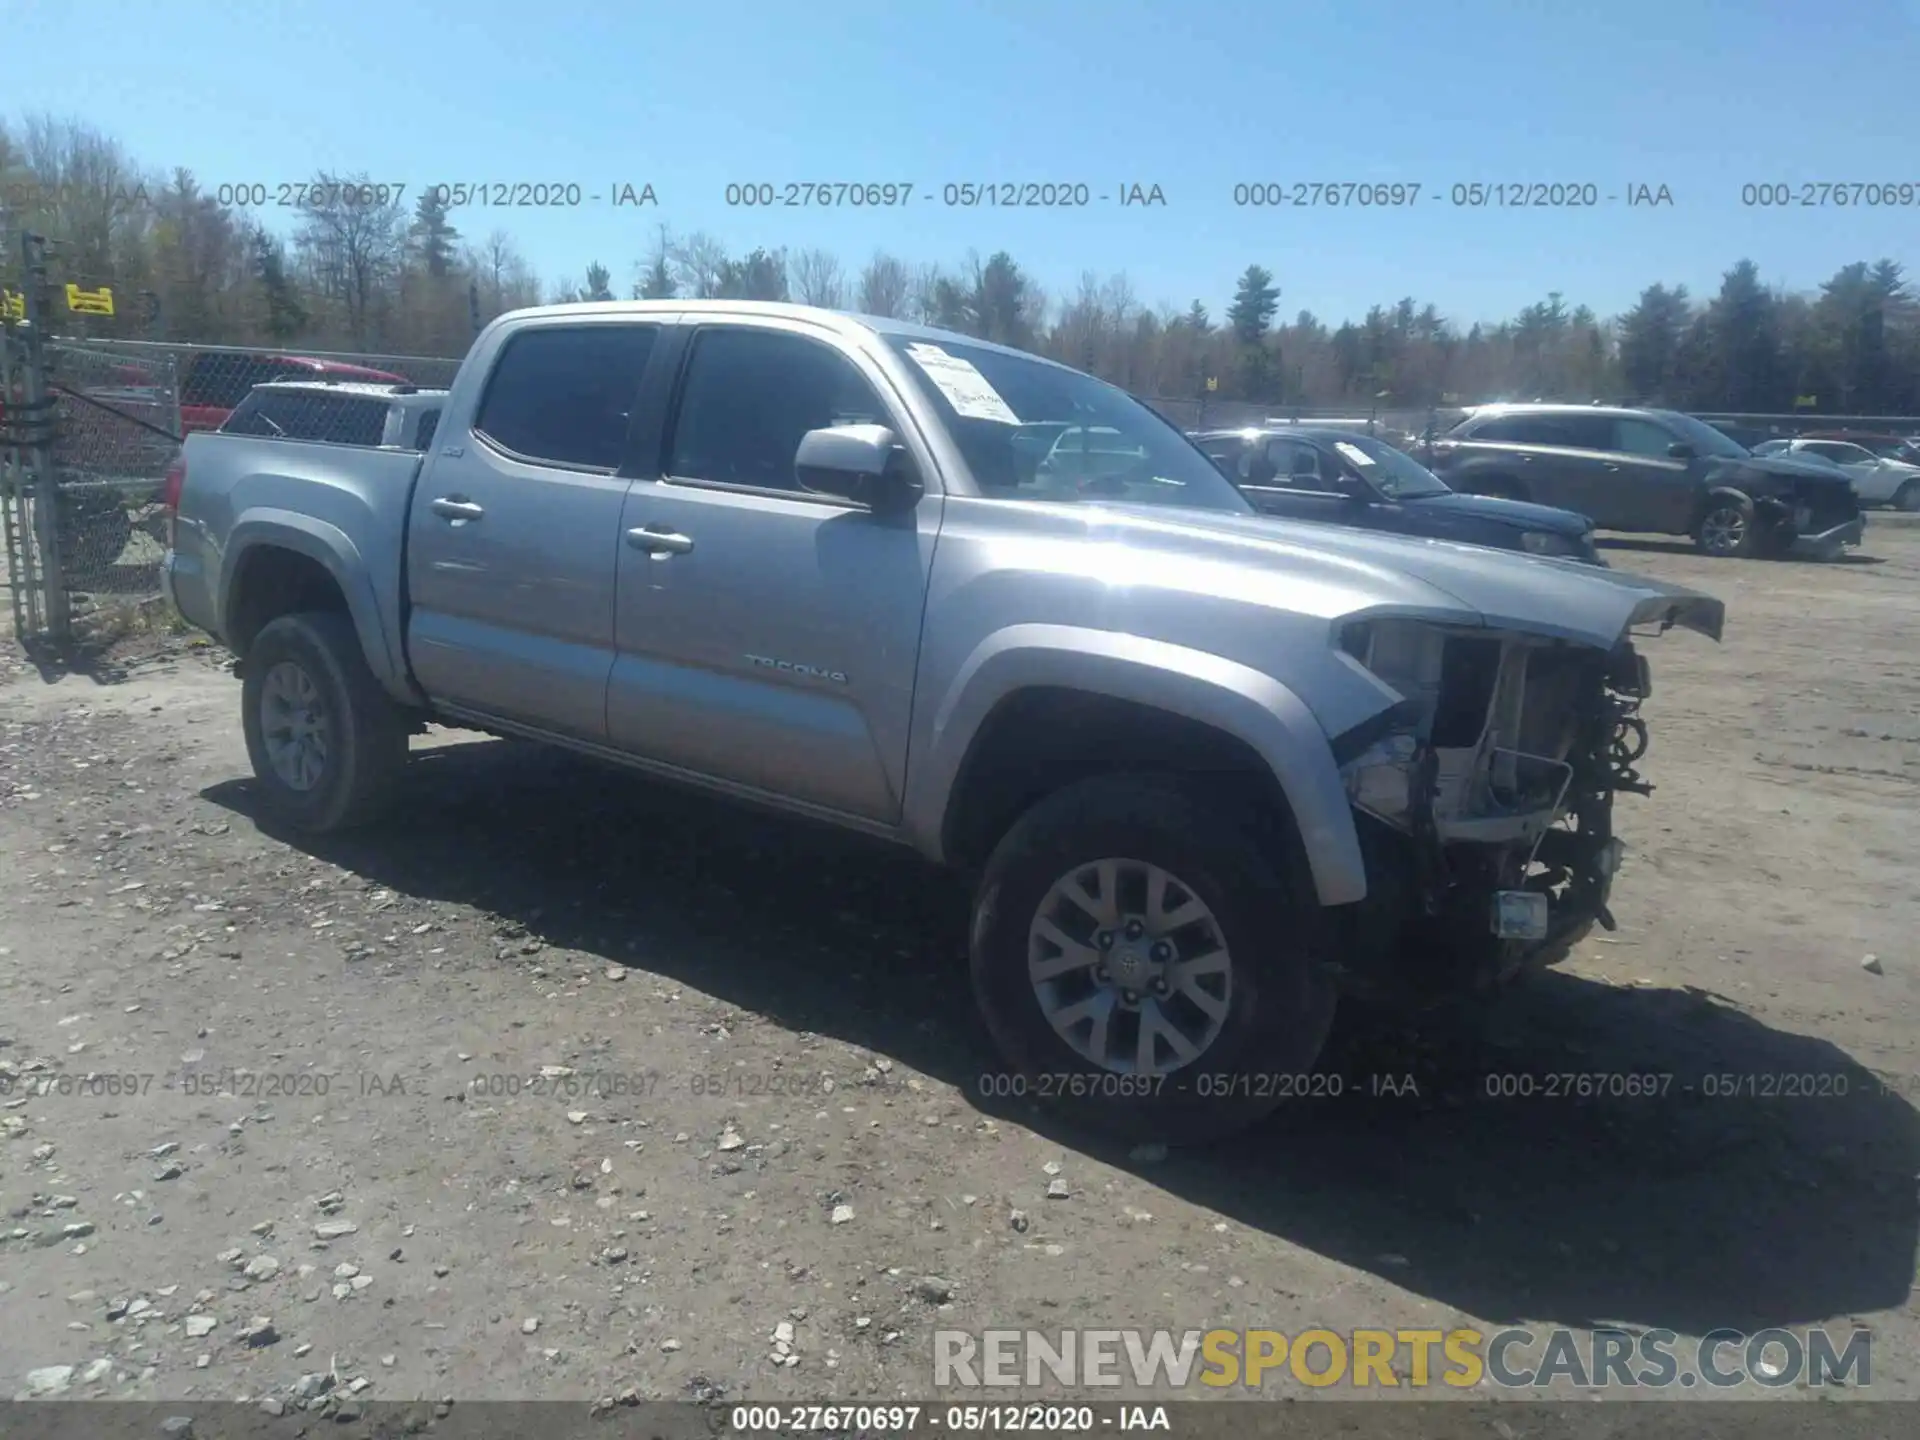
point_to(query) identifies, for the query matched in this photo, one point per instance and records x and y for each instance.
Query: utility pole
(39, 447)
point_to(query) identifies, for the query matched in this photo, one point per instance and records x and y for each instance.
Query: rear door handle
(659, 542)
(1611, 466)
(449, 508)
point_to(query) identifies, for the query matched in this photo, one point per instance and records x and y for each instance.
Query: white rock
(530, 1324)
(335, 1229)
(841, 1214)
(198, 1325)
(783, 1333)
(261, 1267)
(345, 1270)
(1871, 964)
(97, 1370)
(49, 1379)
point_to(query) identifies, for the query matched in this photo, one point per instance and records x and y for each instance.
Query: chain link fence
(89, 429)
(88, 436)
(213, 379)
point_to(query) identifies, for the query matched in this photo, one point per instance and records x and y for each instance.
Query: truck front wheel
(326, 742)
(1728, 526)
(1145, 963)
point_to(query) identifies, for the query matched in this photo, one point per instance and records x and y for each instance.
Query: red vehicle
(217, 380)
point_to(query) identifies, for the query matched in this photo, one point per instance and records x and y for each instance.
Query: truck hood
(1520, 514)
(1497, 588)
(1779, 467)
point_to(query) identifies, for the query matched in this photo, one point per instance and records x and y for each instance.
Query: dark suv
(1343, 477)
(1651, 471)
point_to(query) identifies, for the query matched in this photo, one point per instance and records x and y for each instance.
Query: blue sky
(1195, 96)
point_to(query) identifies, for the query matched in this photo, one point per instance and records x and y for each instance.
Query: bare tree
(506, 281)
(354, 247)
(884, 285)
(699, 265)
(653, 277)
(83, 188)
(817, 279)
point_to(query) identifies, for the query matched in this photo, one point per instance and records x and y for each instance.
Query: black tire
(1908, 497)
(1728, 527)
(1281, 1001)
(366, 731)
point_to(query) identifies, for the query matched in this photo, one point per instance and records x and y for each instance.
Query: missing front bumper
(1848, 535)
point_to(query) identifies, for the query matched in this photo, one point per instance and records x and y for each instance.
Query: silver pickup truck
(1207, 770)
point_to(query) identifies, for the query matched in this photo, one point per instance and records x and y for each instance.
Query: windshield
(1033, 431)
(1703, 437)
(1393, 472)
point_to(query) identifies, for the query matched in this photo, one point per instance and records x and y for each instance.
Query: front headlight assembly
(1545, 542)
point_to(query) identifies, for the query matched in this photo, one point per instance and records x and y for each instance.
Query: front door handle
(659, 542)
(1611, 466)
(449, 508)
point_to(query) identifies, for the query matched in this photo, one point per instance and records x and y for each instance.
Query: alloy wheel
(1130, 967)
(294, 726)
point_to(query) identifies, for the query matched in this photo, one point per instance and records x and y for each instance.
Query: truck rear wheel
(326, 742)
(1145, 964)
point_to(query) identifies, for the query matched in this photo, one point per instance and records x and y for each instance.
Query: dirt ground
(581, 1071)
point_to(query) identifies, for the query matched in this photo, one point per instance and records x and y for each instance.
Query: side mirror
(862, 463)
(1681, 450)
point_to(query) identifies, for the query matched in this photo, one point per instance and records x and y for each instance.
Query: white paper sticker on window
(966, 389)
(1353, 453)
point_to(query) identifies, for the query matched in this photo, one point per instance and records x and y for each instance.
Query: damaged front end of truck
(1485, 796)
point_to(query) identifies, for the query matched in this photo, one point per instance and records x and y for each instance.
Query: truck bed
(344, 506)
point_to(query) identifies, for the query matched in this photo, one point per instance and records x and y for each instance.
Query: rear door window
(565, 395)
(1641, 437)
(1577, 432)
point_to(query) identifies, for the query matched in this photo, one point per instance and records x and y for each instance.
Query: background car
(1888, 447)
(217, 380)
(1878, 479)
(1652, 472)
(1344, 477)
(345, 413)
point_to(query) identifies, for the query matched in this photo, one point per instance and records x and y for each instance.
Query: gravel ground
(564, 1085)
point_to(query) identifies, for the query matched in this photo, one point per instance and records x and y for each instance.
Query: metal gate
(87, 433)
